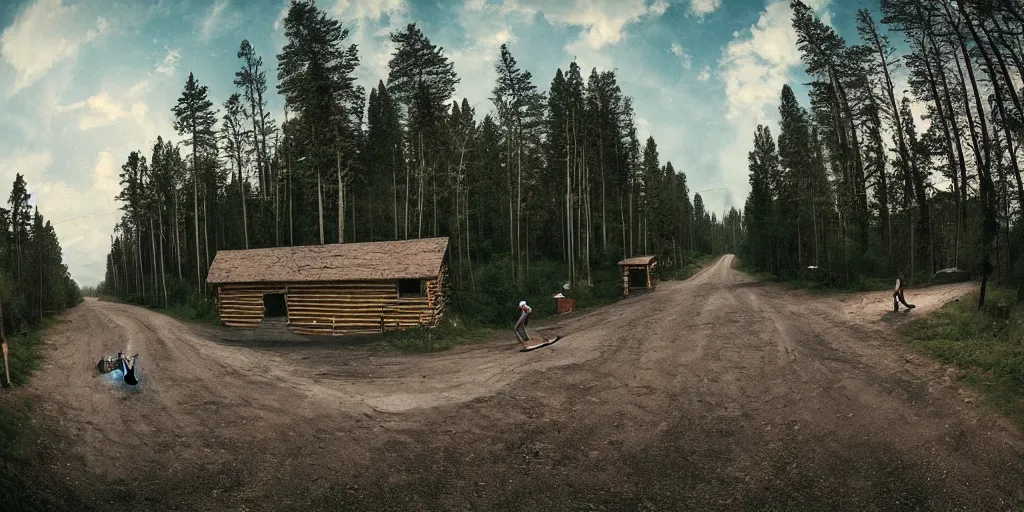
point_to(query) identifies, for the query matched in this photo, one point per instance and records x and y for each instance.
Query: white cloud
(658, 7)
(213, 22)
(170, 63)
(705, 74)
(372, 10)
(644, 129)
(702, 8)
(41, 36)
(139, 87)
(602, 22)
(486, 27)
(106, 108)
(30, 165)
(685, 58)
(279, 23)
(81, 216)
(754, 67)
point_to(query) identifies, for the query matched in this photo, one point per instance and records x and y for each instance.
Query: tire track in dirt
(715, 393)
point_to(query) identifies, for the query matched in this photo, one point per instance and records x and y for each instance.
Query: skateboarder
(897, 295)
(524, 317)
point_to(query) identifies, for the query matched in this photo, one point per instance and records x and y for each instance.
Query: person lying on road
(128, 365)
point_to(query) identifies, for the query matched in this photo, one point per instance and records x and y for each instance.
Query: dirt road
(713, 393)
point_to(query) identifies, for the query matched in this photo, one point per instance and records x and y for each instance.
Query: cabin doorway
(274, 306)
(638, 278)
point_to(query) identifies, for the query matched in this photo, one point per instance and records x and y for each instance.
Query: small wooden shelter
(335, 288)
(638, 272)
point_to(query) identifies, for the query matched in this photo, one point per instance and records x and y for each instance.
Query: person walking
(897, 295)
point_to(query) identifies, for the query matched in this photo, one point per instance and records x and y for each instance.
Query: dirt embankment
(713, 393)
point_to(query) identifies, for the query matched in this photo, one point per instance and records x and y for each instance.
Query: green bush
(22, 357)
(690, 263)
(15, 486)
(196, 308)
(450, 332)
(989, 349)
(14, 420)
(491, 298)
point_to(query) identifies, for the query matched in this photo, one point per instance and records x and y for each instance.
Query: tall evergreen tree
(195, 118)
(316, 76)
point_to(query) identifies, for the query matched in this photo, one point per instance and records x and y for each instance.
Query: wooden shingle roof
(637, 260)
(367, 261)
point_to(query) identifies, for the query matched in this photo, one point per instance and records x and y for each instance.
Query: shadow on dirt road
(711, 393)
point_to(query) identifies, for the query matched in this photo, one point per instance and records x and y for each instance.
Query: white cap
(522, 303)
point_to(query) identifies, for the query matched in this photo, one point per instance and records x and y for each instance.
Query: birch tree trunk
(195, 215)
(320, 204)
(419, 195)
(152, 242)
(341, 204)
(519, 194)
(124, 262)
(138, 255)
(570, 255)
(241, 188)
(206, 237)
(163, 271)
(408, 171)
(394, 189)
(177, 240)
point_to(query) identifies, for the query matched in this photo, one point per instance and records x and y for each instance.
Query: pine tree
(759, 209)
(520, 112)
(235, 137)
(794, 149)
(316, 76)
(194, 118)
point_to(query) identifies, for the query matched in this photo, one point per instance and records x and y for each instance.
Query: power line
(84, 216)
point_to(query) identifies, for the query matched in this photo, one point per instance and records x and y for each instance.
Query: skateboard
(544, 343)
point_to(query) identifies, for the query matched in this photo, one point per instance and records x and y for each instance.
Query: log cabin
(638, 273)
(334, 289)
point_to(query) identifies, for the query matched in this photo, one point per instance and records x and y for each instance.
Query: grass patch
(195, 309)
(190, 313)
(693, 265)
(820, 282)
(989, 350)
(21, 354)
(861, 284)
(15, 487)
(449, 333)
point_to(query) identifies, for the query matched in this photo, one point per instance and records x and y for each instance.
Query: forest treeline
(34, 281)
(854, 187)
(548, 187)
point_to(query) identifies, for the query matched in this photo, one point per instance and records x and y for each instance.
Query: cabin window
(411, 288)
(274, 305)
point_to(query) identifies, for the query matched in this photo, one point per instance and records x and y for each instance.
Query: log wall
(336, 308)
(649, 269)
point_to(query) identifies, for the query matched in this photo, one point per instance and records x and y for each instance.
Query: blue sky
(84, 82)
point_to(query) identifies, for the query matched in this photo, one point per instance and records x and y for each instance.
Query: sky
(85, 82)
